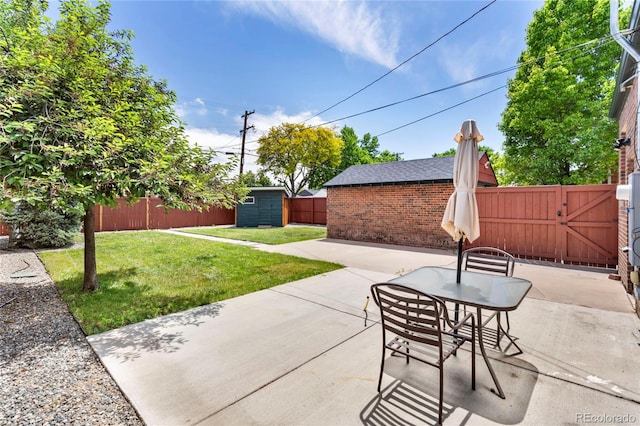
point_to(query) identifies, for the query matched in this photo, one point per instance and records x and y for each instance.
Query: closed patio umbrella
(460, 218)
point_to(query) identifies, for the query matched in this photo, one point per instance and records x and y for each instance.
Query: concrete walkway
(303, 353)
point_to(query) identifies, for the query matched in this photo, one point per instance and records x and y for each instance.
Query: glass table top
(484, 290)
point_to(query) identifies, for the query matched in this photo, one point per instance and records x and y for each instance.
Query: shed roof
(395, 172)
(267, 188)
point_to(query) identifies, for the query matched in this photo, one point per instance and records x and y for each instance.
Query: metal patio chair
(421, 330)
(495, 261)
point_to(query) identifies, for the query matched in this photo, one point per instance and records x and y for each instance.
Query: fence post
(147, 212)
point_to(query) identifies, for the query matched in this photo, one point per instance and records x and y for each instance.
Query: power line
(607, 39)
(442, 110)
(403, 62)
(604, 40)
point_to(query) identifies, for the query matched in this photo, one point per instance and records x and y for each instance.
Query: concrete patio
(303, 353)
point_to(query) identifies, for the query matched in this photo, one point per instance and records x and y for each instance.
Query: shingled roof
(427, 170)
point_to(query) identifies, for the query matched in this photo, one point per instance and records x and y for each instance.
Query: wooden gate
(568, 224)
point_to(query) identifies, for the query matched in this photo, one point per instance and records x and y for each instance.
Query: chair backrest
(410, 314)
(488, 259)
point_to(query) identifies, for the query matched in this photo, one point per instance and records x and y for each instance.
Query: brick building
(624, 109)
(399, 203)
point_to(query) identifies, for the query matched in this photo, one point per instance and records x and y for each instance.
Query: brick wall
(408, 215)
(626, 165)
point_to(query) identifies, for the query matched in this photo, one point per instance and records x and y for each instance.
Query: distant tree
(491, 153)
(256, 179)
(370, 146)
(81, 124)
(556, 124)
(354, 152)
(448, 153)
(496, 159)
(386, 156)
(294, 152)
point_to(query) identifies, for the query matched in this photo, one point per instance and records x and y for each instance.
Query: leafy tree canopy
(256, 179)
(82, 124)
(294, 152)
(556, 124)
(496, 158)
(354, 152)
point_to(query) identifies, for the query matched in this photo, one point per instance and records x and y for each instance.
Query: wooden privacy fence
(567, 224)
(146, 214)
(307, 210)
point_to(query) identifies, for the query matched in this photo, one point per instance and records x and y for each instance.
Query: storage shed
(264, 206)
(400, 202)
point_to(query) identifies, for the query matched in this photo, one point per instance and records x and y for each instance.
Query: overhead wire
(606, 39)
(442, 110)
(403, 62)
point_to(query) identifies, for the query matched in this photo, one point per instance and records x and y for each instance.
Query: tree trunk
(90, 270)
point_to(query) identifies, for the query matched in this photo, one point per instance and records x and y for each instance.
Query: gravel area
(49, 375)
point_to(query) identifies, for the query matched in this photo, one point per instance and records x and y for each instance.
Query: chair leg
(498, 329)
(473, 365)
(441, 394)
(381, 369)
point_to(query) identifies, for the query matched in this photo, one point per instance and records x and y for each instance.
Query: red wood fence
(146, 214)
(308, 210)
(568, 224)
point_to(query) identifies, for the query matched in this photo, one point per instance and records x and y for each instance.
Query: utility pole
(244, 134)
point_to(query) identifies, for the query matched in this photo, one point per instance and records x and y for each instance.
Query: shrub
(33, 228)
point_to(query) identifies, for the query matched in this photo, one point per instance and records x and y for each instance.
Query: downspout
(628, 47)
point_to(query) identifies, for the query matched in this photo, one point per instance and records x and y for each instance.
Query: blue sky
(290, 60)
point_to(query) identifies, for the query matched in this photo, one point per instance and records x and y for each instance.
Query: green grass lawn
(147, 274)
(288, 234)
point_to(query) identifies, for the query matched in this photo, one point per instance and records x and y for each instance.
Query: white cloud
(264, 122)
(211, 138)
(195, 106)
(351, 27)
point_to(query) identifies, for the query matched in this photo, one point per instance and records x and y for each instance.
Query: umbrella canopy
(460, 218)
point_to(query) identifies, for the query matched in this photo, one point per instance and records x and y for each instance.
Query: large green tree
(82, 124)
(555, 124)
(294, 152)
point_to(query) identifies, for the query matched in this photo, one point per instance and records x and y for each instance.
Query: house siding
(627, 160)
(403, 214)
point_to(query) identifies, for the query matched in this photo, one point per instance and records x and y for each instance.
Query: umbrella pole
(458, 273)
(459, 267)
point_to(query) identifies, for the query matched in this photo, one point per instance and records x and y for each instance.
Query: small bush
(33, 228)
